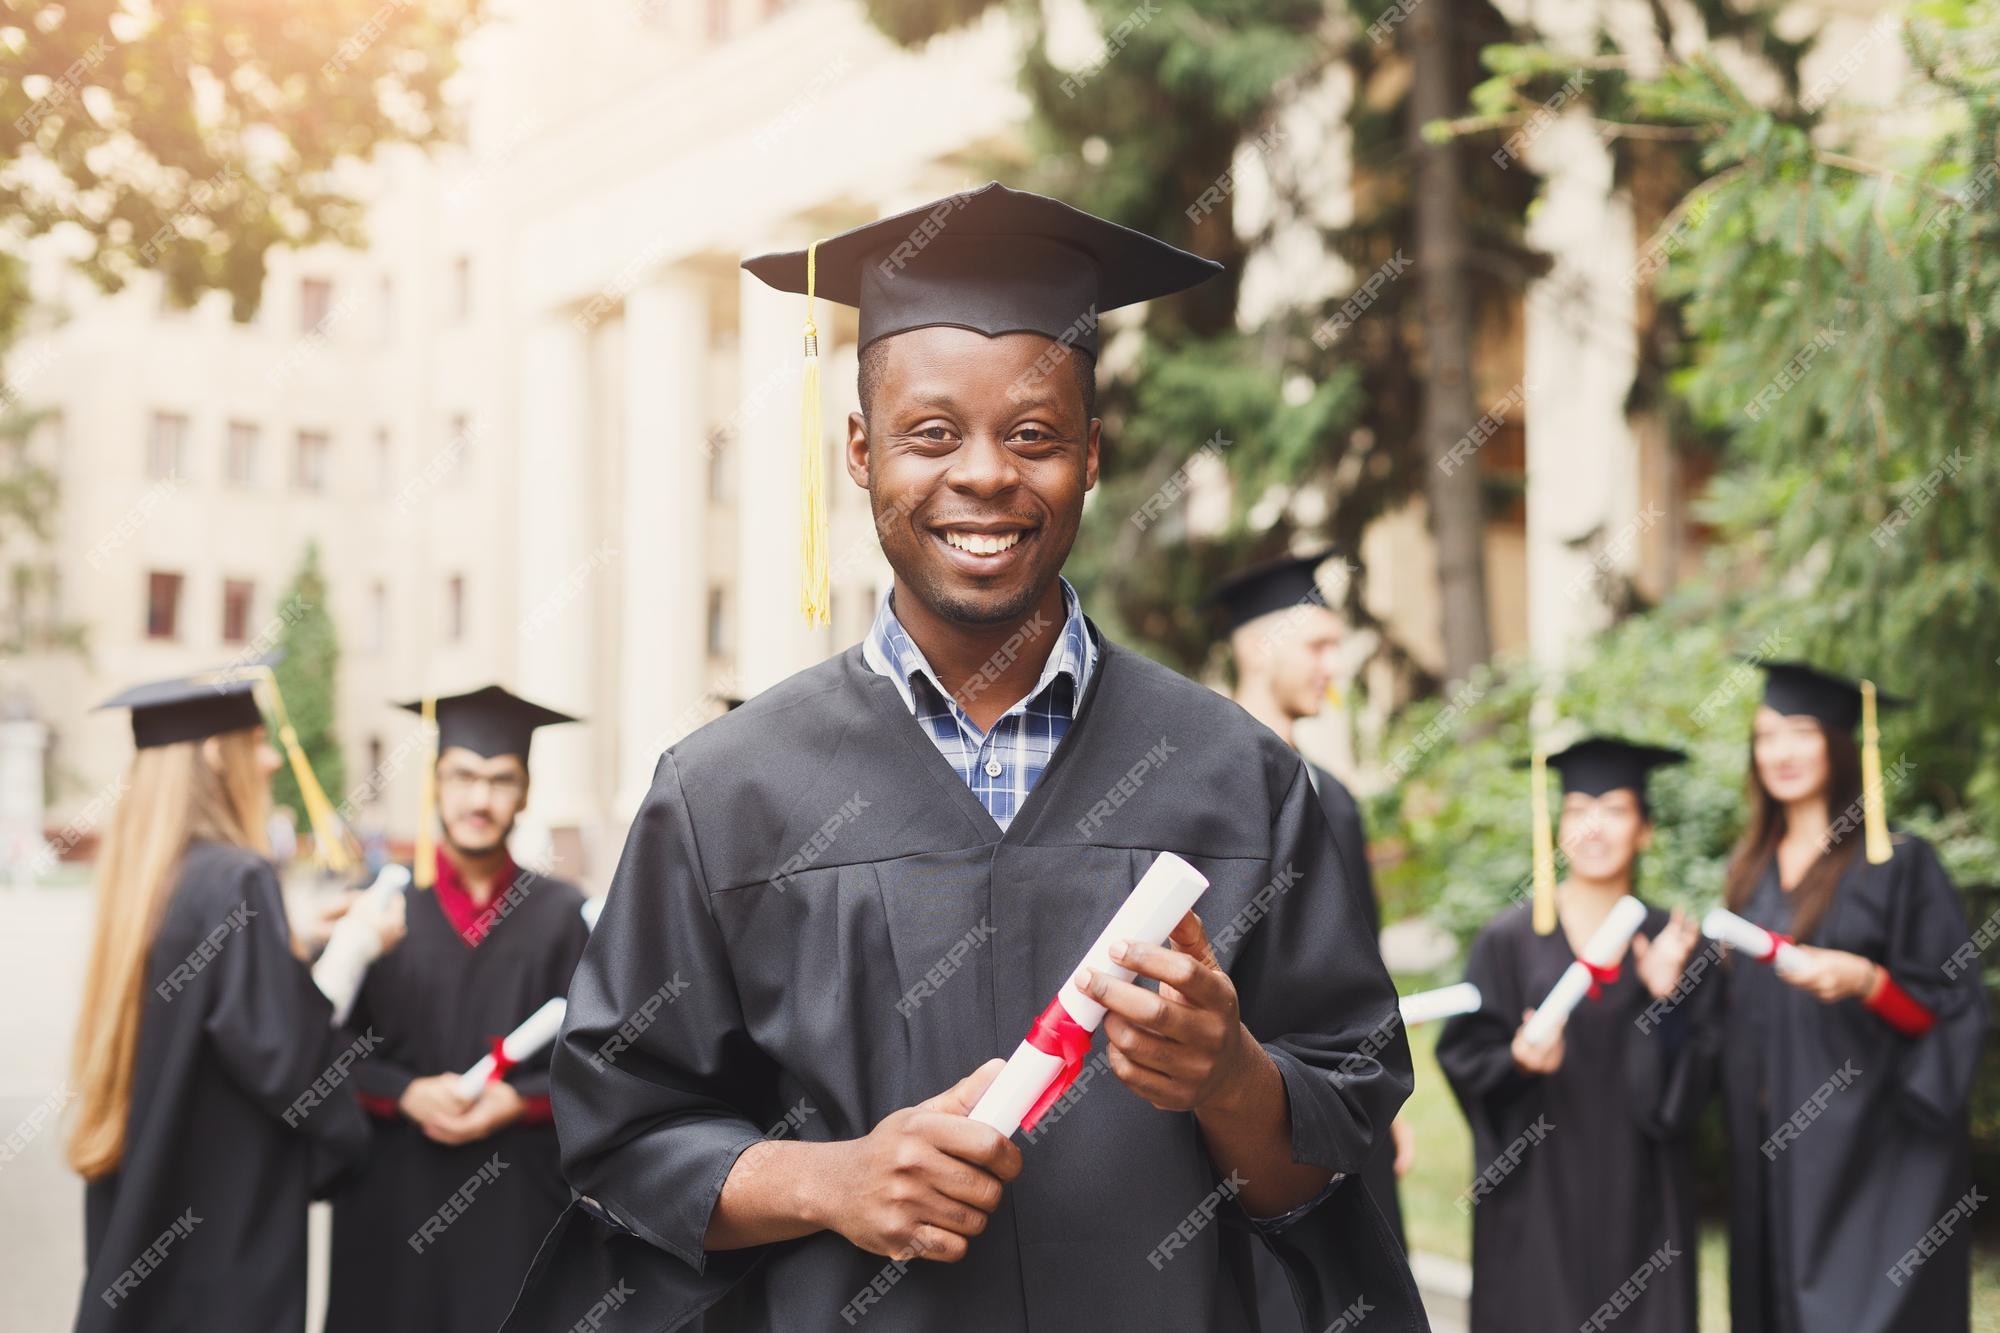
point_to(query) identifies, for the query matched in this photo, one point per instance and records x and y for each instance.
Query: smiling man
(864, 884)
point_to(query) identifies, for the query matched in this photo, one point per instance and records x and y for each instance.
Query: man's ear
(1645, 838)
(1090, 454)
(857, 449)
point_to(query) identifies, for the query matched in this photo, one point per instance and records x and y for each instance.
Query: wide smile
(983, 551)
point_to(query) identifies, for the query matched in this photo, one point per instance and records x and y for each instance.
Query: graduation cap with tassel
(1798, 689)
(992, 260)
(1593, 766)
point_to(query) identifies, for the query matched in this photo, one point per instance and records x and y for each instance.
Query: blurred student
(1846, 1081)
(208, 1075)
(1583, 1191)
(1285, 642)
(438, 1229)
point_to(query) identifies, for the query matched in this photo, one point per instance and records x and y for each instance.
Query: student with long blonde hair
(207, 1073)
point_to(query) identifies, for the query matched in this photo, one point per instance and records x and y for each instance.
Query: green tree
(190, 139)
(308, 677)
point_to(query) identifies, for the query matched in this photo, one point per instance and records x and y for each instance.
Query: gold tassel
(814, 598)
(423, 870)
(1545, 849)
(1874, 823)
(330, 838)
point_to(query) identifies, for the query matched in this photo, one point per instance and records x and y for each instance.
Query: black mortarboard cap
(1798, 688)
(489, 721)
(1598, 764)
(189, 708)
(1272, 586)
(992, 260)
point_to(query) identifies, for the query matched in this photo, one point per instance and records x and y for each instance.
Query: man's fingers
(1205, 985)
(1150, 1050)
(969, 1141)
(962, 1096)
(1191, 937)
(1149, 1009)
(936, 1244)
(964, 1185)
(1639, 946)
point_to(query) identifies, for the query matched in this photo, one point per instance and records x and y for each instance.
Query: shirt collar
(891, 652)
(472, 920)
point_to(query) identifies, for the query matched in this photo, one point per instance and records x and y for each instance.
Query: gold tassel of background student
(423, 870)
(330, 837)
(1545, 848)
(814, 597)
(1874, 823)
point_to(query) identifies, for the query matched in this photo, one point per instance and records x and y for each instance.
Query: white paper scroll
(592, 909)
(1604, 948)
(1163, 895)
(1750, 938)
(524, 1042)
(356, 941)
(1445, 1002)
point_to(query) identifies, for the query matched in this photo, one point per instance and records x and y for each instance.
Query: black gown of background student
(1608, 1184)
(1344, 814)
(791, 983)
(437, 1002)
(1815, 1227)
(220, 1061)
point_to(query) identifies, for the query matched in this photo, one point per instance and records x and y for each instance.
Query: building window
(378, 616)
(166, 446)
(454, 609)
(310, 460)
(718, 623)
(315, 303)
(239, 463)
(163, 605)
(461, 289)
(236, 598)
(385, 463)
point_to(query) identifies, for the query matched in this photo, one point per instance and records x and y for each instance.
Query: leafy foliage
(308, 677)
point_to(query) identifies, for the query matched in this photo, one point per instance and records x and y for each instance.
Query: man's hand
(924, 1180)
(432, 1101)
(1532, 1059)
(1185, 1048)
(1405, 1140)
(1830, 974)
(1661, 960)
(497, 1106)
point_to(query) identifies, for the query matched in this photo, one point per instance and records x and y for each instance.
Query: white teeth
(982, 543)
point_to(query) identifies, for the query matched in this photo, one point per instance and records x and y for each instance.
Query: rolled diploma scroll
(1163, 895)
(537, 1030)
(592, 909)
(1750, 938)
(1445, 1002)
(1602, 950)
(354, 943)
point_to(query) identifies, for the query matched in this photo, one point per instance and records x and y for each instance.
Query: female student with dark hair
(206, 1064)
(1581, 1188)
(1845, 1078)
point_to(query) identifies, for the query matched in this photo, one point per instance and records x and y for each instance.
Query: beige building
(544, 431)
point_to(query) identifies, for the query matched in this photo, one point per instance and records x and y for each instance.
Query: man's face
(976, 460)
(1298, 650)
(479, 798)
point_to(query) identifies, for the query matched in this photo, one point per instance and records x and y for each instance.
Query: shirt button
(992, 768)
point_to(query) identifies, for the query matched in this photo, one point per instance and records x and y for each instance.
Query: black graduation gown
(436, 1003)
(1816, 1225)
(1601, 1186)
(802, 863)
(207, 1210)
(1344, 814)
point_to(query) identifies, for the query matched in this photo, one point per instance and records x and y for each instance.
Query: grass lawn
(1443, 1171)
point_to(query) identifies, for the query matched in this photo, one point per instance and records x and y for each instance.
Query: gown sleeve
(1476, 1050)
(272, 1031)
(652, 1115)
(1926, 926)
(380, 1080)
(1312, 989)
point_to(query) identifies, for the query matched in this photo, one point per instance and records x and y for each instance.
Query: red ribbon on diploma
(1600, 977)
(1056, 1033)
(1771, 951)
(501, 1064)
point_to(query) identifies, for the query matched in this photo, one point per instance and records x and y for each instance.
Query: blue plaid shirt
(1001, 765)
